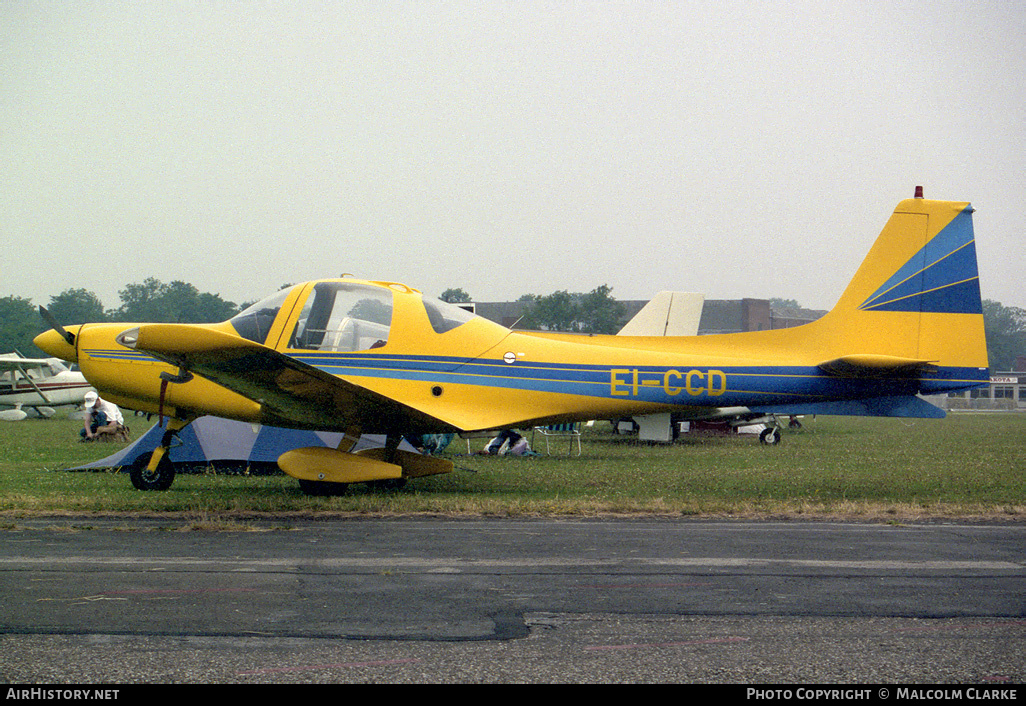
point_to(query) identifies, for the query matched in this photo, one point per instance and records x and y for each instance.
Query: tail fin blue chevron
(941, 278)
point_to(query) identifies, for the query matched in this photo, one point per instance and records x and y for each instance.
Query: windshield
(254, 322)
(339, 316)
(57, 367)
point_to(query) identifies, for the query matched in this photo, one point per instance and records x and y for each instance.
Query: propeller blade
(48, 318)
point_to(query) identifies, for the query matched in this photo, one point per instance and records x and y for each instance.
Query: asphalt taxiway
(511, 600)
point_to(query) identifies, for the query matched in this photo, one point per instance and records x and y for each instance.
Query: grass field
(966, 466)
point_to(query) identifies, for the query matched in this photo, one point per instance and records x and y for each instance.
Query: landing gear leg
(770, 436)
(155, 471)
(392, 442)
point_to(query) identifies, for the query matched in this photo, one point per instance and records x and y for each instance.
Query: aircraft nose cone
(54, 344)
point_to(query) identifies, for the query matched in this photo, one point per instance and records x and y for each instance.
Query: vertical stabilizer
(667, 314)
(917, 294)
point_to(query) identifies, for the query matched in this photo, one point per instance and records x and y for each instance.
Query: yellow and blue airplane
(378, 357)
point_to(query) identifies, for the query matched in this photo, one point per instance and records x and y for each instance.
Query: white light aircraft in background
(37, 384)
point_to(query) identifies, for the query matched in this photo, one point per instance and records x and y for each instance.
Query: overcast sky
(739, 149)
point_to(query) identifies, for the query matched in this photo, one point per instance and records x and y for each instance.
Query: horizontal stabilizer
(875, 366)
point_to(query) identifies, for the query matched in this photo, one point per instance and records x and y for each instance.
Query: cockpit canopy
(339, 316)
(342, 316)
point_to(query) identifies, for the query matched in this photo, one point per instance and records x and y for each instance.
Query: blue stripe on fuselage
(722, 386)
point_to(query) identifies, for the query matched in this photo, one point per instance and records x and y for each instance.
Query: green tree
(599, 312)
(213, 308)
(19, 324)
(594, 312)
(555, 312)
(455, 296)
(76, 306)
(177, 302)
(778, 303)
(1005, 328)
(140, 302)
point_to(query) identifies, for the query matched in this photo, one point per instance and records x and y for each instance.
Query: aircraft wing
(290, 392)
(875, 366)
(15, 363)
(20, 364)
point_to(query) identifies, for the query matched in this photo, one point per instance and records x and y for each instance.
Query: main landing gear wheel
(144, 479)
(770, 436)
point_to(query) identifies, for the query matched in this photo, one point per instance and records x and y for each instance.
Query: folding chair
(572, 431)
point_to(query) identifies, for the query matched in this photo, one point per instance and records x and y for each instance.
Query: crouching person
(101, 417)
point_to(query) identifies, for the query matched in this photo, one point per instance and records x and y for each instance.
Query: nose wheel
(770, 436)
(155, 470)
(159, 478)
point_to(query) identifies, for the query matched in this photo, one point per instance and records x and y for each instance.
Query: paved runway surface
(439, 600)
